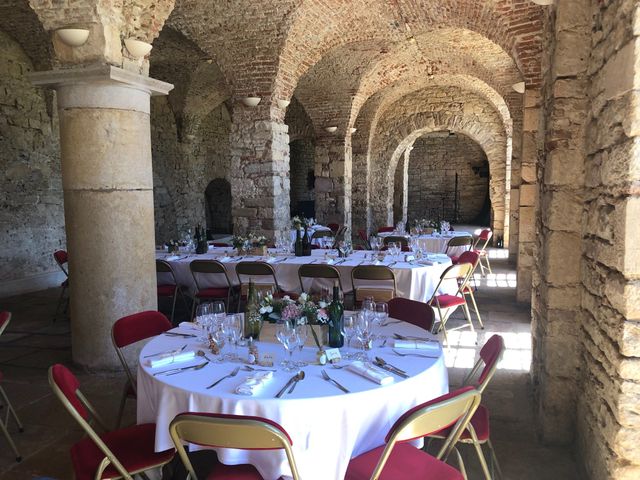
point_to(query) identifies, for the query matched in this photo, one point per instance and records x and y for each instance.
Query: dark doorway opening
(218, 206)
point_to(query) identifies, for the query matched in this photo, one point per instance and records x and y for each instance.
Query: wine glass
(203, 320)
(349, 330)
(218, 335)
(232, 327)
(218, 312)
(363, 334)
(285, 334)
(302, 333)
(382, 314)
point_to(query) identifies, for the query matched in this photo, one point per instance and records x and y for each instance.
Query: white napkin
(416, 344)
(270, 259)
(171, 258)
(253, 383)
(224, 259)
(329, 261)
(370, 372)
(167, 359)
(191, 325)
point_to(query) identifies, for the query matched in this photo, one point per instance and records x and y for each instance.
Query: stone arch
(218, 206)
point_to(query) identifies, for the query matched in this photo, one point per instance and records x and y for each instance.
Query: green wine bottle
(336, 319)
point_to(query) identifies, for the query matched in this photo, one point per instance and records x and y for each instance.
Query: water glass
(286, 335)
(302, 333)
(232, 328)
(349, 330)
(363, 334)
(203, 320)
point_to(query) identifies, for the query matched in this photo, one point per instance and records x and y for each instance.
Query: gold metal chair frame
(318, 271)
(483, 253)
(131, 381)
(64, 289)
(247, 433)
(165, 267)
(469, 291)
(10, 411)
(212, 267)
(457, 410)
(397, 239)
(477, 444)
(109, 457)
(460, 273)
(339, 237)
(461, 241)
(255, 269)
(375, 273)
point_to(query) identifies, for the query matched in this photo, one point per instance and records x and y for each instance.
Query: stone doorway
(218, 206)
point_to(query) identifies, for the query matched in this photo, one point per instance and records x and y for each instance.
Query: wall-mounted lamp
(251, 101)
(73, 37)
(283, 103)
(352, 130)
(544, 2)
(331, 129)
(137, 48)
(518, 87)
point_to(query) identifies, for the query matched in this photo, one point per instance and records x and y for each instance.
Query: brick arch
(512, 27)
(21, 23)
(414, 116)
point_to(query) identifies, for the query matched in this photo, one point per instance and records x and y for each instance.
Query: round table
(327, 426)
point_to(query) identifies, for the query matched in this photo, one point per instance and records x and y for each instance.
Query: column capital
(101, 86)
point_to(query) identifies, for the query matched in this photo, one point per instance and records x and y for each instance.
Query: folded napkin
(416, 344)
(171, 258)
(253, 383)
(329, 261)
(369, 371)
(170, 358)
(191, 325)
(224, 259)
(270, 259)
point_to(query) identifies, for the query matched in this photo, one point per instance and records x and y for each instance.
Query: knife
(291, 380)
(390, 368)
(409, 337)
(176, 370)
(176, 334)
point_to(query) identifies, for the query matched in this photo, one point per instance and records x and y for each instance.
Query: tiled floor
(33, 342)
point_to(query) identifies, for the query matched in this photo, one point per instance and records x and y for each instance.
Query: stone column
(527, 194)
(259, 171)
(333, 179)
(108, 200)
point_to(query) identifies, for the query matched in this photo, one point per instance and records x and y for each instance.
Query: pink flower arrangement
(291, 312)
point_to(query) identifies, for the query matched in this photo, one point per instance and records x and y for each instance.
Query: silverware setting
(168, 352)
(299, 378)
(390, 368)
(326, 376)
(282, 260)
(232, 374)
(249, 368)
(173, 371)
(413, 354)
(410, 337)
(286, 385)
(390, 322)
(183, 335)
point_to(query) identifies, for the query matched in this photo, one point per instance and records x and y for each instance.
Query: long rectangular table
(413, 280)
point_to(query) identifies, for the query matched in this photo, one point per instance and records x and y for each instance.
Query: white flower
(269, 309)
(263, 310)
(301, 321)
(286, 298)
(322, 304)
(303, 297)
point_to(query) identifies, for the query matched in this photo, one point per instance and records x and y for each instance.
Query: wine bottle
(252, 317)
(298, 245)
(201, 241)
(336, 319)
(306, 243)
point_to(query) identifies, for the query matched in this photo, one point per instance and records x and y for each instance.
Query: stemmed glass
(218, 312)
(382, 314)
(363, 334)
(349, 331)
(203, 320)
(286, 335)
(220, 337)
(232, 329)
(302, 333)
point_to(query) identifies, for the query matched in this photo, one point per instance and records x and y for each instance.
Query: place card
(333, 355)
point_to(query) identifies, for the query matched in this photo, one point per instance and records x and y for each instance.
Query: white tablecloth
(327, 426)
(434, 242)
(414, 281)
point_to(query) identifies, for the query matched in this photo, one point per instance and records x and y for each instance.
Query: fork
(413, 354)
(326, 376)
(232, 374)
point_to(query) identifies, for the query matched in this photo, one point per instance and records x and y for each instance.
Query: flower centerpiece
(427, 224)
(252, 243)
(303, 311)
(172, 246)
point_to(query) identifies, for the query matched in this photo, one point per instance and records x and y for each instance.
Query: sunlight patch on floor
(496, 280)
(463, 351)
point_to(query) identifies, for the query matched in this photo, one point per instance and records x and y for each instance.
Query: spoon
(253, 369)
(299, 376)
(200, 353)
(174, 352)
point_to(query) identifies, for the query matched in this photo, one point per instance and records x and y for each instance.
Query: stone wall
(182, 170)
(433, 164)
(31, 208)
(302, 163)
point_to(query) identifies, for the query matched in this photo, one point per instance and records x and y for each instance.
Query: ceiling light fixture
(73, 37)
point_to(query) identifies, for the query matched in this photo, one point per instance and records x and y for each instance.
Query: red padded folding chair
(477, 432)
(386, 229)
(127, 331)
(62, 258)
(412, 311)
(230, 431)
(473, 258)
(401, 460)
(119, 453)
(481, 248)
(5, 318)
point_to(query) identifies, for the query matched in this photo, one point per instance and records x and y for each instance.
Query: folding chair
(334, 227)
(265, 273)
(119, 453)
(373, 273)
(5, 318)
(339, 236)
(213, 269)
(386, 229)
(62, 258)
(398, 459)
(402, 240)
(127, 331)
(446, 304)
(365, 241)
(230, 431)
(313, 271)
(322, 235)
(412, 311)
(477, 432)
(455, 242)
(471, 257)
(169, 289)
(481, 247)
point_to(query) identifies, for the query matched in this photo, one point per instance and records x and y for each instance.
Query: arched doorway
(218, 206)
